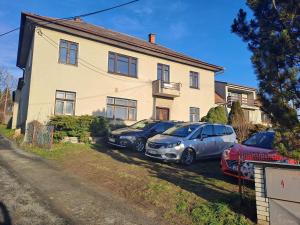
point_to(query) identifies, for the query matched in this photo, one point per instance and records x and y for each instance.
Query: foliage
(286, 140)
(238, 121)
(216, 115)
(273, 38)
(254, 128)
(79, 126)
(215, 214)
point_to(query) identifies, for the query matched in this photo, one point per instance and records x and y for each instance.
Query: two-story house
(74, 68)
(227, 93)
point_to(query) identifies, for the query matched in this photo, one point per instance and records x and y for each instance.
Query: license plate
(111, 140)
(152, 151)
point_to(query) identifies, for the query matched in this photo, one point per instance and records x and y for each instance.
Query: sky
(197, 28)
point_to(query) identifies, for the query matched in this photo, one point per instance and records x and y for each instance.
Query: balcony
(164, 89)
(243, 100)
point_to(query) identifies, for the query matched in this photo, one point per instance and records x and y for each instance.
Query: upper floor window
(194, 114)
(122, 64)
(194, 80)
(163, 72)
(65, 103)
(68, 52)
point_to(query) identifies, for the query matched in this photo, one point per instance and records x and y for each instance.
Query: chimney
(77, 19)
(151, 38)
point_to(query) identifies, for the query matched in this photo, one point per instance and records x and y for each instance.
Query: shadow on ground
(204, 178)
(4, 215)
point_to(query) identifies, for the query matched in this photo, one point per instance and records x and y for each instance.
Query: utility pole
(5, 103)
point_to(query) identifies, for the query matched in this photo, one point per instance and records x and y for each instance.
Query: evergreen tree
(273, 37)
(216, 115)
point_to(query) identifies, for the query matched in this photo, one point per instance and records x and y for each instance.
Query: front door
(162, 113)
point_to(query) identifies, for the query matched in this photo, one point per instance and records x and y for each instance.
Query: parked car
(136, 135)
(190, 141)
(259, 147)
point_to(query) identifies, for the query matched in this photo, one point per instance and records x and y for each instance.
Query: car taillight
(226, 154)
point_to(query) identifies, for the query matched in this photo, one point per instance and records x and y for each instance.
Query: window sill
(123, 75)
(196, 88)
(68, 64)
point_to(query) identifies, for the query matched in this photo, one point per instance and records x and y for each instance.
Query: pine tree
(273, 37)
(216, 115)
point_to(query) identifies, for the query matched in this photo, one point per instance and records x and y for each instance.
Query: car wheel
(187, 157)
(140, 145)
(247, 170)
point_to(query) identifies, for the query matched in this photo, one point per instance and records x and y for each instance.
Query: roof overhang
(68, 28)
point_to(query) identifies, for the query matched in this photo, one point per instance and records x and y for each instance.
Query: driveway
(57, 197)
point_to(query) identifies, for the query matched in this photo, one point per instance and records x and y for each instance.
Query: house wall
(92, 83)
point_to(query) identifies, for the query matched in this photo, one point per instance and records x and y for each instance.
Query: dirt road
(35, 191)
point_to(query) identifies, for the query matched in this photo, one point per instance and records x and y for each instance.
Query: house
(227, 93)
(74, 68)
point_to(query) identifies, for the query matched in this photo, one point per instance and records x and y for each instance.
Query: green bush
(81, 127)
(216, 115)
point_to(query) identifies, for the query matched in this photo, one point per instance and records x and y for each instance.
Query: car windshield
(143, 125)
(261, 140)
(181, 130)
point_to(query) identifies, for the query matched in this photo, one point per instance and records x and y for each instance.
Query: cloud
(145, 11)
(124, 23)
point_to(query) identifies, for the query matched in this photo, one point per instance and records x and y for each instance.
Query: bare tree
(7, 84)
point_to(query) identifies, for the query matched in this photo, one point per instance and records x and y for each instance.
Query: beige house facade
(75, 68)
(227, 93)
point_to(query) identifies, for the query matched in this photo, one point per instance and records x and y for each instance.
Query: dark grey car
(136, 135)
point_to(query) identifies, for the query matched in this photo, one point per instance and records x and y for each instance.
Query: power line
(85, 63)
(72, 17)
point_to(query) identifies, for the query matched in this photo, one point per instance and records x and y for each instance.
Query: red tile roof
(82, 26)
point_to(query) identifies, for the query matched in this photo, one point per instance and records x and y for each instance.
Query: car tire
(187, 157)
(140, 145)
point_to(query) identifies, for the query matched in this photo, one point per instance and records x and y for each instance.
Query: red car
(258, 148)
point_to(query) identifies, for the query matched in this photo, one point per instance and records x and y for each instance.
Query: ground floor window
(65, 103)
(194, 114)
(120, 108)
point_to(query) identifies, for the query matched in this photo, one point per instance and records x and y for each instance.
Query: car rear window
(229, 130)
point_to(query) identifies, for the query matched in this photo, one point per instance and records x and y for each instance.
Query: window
(122, 64)
(229, 130)
(68, 52)
(194, 80)
(65, 103)
(208, 131)
(219, 130)
(162, 127)
(194, 114)
(163, 73)
(120, 108)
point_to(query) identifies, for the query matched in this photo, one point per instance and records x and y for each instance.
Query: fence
(39, 135)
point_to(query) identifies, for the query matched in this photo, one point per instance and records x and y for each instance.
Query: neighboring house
(75, 68)
(227, 93)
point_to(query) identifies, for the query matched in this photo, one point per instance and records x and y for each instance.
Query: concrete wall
(92, 83)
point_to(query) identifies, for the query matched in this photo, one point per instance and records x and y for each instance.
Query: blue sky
(198, 28)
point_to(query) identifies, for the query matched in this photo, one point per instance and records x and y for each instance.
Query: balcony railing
(165, 89)
(242, 100)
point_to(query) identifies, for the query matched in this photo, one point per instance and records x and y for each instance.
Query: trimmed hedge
(216, 115)
(81, 127)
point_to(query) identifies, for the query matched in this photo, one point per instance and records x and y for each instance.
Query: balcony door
(162, 113)
(163, 72)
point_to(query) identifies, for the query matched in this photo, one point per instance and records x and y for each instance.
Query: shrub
(254, 128)
(238, 121)
(81, 127)
(216, 115)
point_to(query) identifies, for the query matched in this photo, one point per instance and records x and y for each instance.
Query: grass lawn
(198, 194)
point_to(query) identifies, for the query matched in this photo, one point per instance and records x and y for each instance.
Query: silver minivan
(190, 141)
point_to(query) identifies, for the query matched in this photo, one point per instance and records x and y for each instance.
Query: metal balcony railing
(166, 89)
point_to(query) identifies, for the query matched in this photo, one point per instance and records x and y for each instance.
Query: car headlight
(172, 145)
(130, 138)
